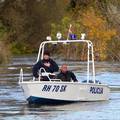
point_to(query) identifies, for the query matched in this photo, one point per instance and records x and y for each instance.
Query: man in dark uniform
(66, 75)
(47, 63)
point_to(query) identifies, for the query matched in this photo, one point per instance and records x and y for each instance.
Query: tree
(29, 21)
(98, 31)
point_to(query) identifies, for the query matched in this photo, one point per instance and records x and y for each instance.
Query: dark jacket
(53, 67)
(68, 76)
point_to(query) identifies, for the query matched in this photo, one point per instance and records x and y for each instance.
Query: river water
(13, 105)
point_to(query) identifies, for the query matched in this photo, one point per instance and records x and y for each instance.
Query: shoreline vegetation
(24, 24)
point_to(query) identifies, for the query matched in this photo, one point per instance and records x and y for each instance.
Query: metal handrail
(45, 73)
(90, 47)
(41, 51)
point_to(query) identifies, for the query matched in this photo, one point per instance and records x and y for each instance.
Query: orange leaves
(97, 26)
(98, 30)
(93, 24)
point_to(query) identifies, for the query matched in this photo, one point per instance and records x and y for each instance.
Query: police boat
(55, 91)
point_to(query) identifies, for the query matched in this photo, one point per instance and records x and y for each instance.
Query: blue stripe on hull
(38, 100)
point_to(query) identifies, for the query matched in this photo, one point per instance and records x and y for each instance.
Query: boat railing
(42, 72)
(89, 53)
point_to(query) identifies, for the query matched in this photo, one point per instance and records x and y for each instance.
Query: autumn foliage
(24, 24)
(96, 28)
(98, 31)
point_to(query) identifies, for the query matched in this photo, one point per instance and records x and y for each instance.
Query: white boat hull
(45, 92)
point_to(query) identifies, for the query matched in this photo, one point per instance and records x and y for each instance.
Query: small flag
(72, 36)
(69, 31)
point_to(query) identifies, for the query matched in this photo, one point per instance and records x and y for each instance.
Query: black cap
(47, 53)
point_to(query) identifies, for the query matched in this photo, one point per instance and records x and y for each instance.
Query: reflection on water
(13, 105)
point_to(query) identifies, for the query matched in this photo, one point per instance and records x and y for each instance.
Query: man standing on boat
(47, 63)
(66, 75)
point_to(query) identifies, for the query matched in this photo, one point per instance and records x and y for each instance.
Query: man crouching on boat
(47, 63)
(66, 75)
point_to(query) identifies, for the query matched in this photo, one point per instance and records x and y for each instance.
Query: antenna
(69, 31)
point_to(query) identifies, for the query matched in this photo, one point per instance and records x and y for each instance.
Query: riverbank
(25, 24)
(5, 54)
